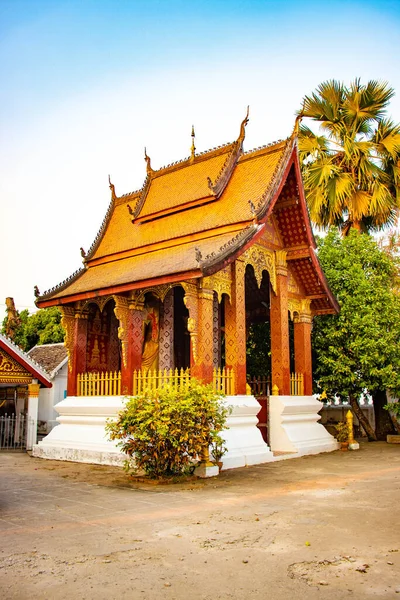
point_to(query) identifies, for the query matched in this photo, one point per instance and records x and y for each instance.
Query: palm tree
(351, 170)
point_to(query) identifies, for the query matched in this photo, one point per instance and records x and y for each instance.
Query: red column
(203, 367)
(78, 359)
(280, 354)
(135, 348)
(302, 348)
(129, 312)
(235, 327)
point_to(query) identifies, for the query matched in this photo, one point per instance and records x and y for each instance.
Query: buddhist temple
(181, 268)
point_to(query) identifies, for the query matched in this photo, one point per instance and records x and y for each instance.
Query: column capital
(304, 314)
(33, 390)
(136, 300)
(280, 262)
(205, 294)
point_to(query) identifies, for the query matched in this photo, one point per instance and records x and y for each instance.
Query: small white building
(54, 360)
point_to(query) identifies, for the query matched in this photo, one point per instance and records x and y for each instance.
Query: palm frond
(387, 138)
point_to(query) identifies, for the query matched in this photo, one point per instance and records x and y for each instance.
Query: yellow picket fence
(99, 384)
(223, 381)
(296, 384)
(151, 380)
(109, 383)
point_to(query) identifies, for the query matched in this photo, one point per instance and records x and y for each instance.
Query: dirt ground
(325, 527)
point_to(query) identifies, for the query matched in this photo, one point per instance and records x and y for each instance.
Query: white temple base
(243, 438)
(294, 427)
(80, 435)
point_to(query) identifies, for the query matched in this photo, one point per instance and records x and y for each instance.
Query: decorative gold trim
(121, 311)
(300, 311)
(100, 302)
(190, 300)
(220, 282)
(160, 291)
(294, 306)
(33, 390)
(280, 262)
(68, 322)
(261, 260)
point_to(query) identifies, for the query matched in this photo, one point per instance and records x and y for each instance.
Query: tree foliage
(164, 430)
(41, 327)
(358, 349)
(351, 168)
(258, 350)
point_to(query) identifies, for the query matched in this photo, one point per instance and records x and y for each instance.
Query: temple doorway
(258, 343)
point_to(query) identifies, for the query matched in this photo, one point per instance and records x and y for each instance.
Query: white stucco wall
(49, 397)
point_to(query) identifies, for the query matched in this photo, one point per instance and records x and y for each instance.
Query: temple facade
(182, 268)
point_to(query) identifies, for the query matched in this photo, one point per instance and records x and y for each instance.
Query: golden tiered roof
(187, 218)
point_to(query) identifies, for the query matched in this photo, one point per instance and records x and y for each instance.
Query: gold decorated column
(191, 302)
(129, 312)
(235, 327)
(280, 354)
(302, 345)
(203, 367)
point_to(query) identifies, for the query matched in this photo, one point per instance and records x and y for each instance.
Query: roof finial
(242, 126)
(193, 148)
(298, 120)
(148, 164)
(112, 188)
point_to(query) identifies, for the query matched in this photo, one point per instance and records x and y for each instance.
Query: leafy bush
(163, 431)
(342, 432)
(394, 408)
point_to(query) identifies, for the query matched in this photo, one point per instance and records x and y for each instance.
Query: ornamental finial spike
(148, 164)
(193, 148)
(298, 120)
(112, 188)
(242, 127)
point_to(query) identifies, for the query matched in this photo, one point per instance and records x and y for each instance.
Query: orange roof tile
(177, 224)
(167, 261)
(250, 179)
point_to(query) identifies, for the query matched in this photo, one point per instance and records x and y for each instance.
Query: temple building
(182, 268)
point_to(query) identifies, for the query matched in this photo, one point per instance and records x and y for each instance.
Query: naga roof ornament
(225, 174)
(112, 188)
(148, 163)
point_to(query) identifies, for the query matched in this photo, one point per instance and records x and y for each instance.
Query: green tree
(358, 349)
(351, 169)
(42, 327)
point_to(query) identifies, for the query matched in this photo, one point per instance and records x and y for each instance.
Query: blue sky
(86, 85)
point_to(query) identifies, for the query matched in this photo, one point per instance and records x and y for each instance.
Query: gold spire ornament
(148, 163)
(242, 127)
(112, 188)
(193, 148)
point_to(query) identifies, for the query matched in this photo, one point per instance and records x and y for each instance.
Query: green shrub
(163, 431)
(394, 408)
(342, 432)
